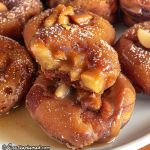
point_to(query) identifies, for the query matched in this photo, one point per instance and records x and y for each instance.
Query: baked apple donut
(77, 117)
(74, 55)
(135, 11)
(134, 55)
(14, 14)
(17, 71)
(100, 27)
(104, 8)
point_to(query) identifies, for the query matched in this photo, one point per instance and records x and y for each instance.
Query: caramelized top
(100, 7)
(73, 49)
(64, 15)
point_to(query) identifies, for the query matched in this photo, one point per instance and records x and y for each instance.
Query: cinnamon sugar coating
(14, 19)
(104, 8)
(17, 71)
(135, 58)
(71, 122)
(76, 56)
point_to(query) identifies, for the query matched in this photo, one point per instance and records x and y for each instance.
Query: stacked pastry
(80, 95)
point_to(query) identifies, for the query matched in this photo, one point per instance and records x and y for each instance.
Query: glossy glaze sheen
(135, 11)
(134, 58)
(69, 42)
(66, 120)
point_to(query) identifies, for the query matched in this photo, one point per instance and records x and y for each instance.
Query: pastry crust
(19, 12)
(69, 121)
(17, 71)
(134, 58)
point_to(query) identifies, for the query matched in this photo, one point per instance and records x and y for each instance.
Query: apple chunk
(144, 38)
(92, 80)
(3, 7)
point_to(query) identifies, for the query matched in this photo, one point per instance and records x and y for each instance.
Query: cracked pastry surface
(104, 8)
(77, 117)
(17, 71)
(134, 56)
(15, 15)
(64, 15)
(74, 55)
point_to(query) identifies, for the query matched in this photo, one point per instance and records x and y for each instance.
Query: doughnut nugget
(105, 8)
(74, 55)
(133, 49)
(17, 71)
(77, 117)
(14, 14)
(100, 27)
(135, 11)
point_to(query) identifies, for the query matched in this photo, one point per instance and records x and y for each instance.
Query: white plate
(20, 129)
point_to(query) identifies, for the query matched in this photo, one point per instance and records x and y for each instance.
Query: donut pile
(84, 88)
(80, 95)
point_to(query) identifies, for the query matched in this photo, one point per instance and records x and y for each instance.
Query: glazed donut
(104, 8)
(61, 14)
(14, 14)
(134, 56)
(135, 11)
(74, 55)
(17, 71)
(63, 112)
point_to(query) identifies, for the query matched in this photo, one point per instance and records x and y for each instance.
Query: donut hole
(8, 90)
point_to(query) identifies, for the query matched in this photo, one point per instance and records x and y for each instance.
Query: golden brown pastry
(77, 117)
(134, 54)
(17, 71)
(104, 8)
(135, 11)
(100, 27)
(14, 14)
(74, 55)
